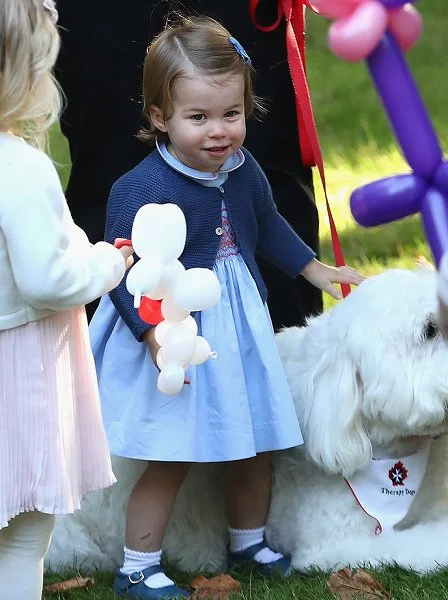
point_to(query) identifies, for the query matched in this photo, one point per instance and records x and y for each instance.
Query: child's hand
(323, 277)
(126, 249)
(154, 347)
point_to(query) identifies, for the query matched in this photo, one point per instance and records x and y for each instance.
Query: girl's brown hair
(29, 45)
(190, 43)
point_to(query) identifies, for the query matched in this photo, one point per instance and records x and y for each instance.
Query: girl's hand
(323, 277)
(126, 249)
(150, 338)
(153, 346)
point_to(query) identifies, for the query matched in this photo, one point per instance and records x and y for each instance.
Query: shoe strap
(139, 576)
(253, 550)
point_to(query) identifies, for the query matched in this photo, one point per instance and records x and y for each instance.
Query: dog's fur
(371, 372)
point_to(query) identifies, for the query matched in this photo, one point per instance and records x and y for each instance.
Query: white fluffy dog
(369, 380)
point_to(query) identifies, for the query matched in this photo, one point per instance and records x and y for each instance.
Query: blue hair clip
(238, 47)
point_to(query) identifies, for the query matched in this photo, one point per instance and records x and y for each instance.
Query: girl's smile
(218, 150)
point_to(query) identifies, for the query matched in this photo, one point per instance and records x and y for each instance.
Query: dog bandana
(386, 489)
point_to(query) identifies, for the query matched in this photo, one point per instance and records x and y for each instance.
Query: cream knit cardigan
(46, 261)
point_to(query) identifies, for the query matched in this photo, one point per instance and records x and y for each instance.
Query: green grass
(401, 584)
(358, 147)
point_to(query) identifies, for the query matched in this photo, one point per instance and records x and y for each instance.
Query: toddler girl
(237, 408)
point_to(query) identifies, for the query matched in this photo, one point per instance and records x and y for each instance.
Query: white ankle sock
(266, 556)
(241, 539)
(138, 561)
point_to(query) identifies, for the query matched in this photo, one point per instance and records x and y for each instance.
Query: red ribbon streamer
(293, 12)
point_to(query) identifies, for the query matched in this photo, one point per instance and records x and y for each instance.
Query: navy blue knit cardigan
(258, 227)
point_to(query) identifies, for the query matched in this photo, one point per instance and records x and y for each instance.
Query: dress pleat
(52, 444)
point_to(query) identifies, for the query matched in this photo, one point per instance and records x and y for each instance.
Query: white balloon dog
(158, 236)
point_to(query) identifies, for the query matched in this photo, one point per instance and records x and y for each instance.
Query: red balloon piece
(150, 311)
(120, 243)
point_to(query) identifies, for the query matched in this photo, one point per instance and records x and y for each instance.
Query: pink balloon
(406, 24)
(335, 9)
(354, 37)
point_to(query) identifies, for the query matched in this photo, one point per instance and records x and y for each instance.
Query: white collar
(233, 162)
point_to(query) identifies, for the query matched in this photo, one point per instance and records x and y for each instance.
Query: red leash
(293, 12)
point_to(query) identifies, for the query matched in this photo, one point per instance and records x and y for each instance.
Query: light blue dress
(237, 404)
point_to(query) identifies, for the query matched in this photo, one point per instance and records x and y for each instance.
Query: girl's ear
(157, 118)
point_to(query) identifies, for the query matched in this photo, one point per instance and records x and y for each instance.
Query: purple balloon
(396, 3)
(434, 209)
(405, 107)
(387, 200)
(441, 178)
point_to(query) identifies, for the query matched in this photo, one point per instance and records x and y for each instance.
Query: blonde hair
(29, 44)
(198, 43)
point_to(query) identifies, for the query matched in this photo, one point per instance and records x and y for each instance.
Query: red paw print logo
(398, 473)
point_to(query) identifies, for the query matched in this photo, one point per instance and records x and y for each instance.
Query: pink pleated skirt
(53, 448)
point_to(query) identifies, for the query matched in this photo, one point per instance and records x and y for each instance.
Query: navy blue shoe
(133, 586)
(281, 567)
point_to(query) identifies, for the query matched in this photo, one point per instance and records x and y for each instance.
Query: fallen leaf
(69, 584)
(219, 587)
(346, 585)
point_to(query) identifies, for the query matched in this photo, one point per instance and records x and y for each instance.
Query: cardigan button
(219, 231)
(221, 189)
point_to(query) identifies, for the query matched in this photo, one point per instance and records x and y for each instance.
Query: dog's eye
(430, 330)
